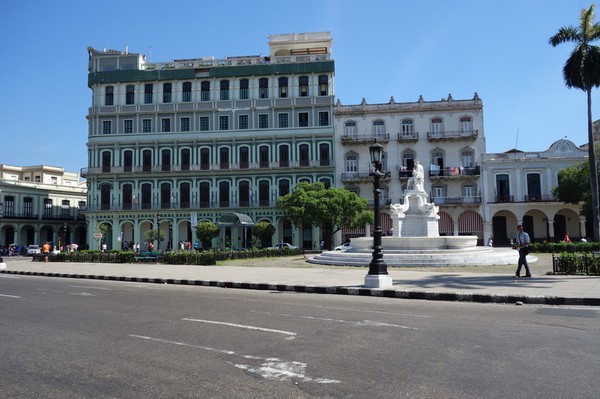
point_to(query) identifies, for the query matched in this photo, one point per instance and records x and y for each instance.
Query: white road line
(90, 287)
(270, 368)
(8, 276)
(356, 323)
(243, 326)
(379, 312)
(10, 296)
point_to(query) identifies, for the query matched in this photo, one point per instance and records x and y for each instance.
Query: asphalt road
(64, 338)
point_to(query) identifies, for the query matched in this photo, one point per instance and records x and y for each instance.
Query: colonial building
(39, 204)
(445, 136)
(173, 143)
(517, 188)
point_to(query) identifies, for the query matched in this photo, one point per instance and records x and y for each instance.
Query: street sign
(97, 236)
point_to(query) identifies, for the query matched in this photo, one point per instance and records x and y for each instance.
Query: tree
(582, 71)
(155, 235)
(205, 232)
(330, 209)
(263, 231)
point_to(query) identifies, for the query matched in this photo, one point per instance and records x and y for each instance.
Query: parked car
(33, 250)
(284, 245)
(345, 246)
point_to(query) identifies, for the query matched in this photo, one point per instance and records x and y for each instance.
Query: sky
(399, 48)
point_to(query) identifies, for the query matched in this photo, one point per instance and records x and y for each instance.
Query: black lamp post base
(378, 281)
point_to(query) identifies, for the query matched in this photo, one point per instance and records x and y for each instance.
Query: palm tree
(582, 71)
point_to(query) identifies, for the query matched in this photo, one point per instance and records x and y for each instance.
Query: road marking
(10, 296)
(268, 368)
(82, 294)
(8, 276)
(243, 326)
(378, 311)
(90, 287)
(359, 323)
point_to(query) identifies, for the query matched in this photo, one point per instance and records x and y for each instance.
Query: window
(224, 158)
(224, 194)
(304, 155)
(263, 121)
(105, 199)
(47, 206)
(283, 87)
(184, 195)
(128, 161)
(466, 125)
(224, 90)
(407, 127)
(324, 118)
(438, 194)
(165, 163)
(468, 193)
(106, 127)
(65, 208)
(109, 95)
(263, 193)
(324, 154)
(283, 120)
(185, 159)
(27, 207)
(467, 158)
(323, 85)
(284, 187)
(165, 125)
(146, 196)
(223, 122)
(502, 188)
(437, 127)
(9, 205)
(167, 92)
(148, 93)
(204, 123)
(127, 192)
(284, 156)
(351, 164)
(243, 122)
(303, 86)
(263, 88)
(437, 161)
(204, 159)
(244, 193)
(130, 95)
(204, 195)
(187, 92)
(146, 125)
(244, 89)
(244, 158)
(205, 91)
(303, 119)
(128, 126)
(263, 156)
(147, 161)
(185, 124)
(350, 129)
(534, 187)
(378, 129)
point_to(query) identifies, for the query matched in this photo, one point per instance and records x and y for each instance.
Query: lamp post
(378, 276)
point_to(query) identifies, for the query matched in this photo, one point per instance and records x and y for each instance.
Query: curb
(335, 290)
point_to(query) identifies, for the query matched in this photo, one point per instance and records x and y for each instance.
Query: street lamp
(378, 276)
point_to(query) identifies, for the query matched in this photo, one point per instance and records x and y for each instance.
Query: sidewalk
(285, 274)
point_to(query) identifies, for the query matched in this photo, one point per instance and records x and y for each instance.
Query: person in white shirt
(522, 245)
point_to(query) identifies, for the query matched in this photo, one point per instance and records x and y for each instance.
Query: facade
(445, 136)
(39, 204)
(517, 188)
(174, 143)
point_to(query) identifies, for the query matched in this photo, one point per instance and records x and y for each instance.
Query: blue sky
(398, 48)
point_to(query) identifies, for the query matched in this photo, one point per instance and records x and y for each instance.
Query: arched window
(244, 193)
(407, 128)
(378, 129)
(466, 125)
(264, 193)
(437, 127)
(184, 195)
(350, 129)
(204, 195)
(224, 194)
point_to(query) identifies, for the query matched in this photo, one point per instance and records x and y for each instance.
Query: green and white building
(174, 143)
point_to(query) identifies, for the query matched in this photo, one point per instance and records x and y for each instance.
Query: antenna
(517, 140)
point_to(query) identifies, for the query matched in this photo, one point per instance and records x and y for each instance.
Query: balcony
(362, 177)
(208, 167)
(448, 201)
(453, 172)
(540, 198)
(408, 137)
(18, 215)
(447, 135)
(356, 139)
(176, 206)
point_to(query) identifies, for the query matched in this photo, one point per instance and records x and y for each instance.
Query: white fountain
(416, 241)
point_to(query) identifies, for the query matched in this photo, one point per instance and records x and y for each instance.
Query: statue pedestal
(415, 217)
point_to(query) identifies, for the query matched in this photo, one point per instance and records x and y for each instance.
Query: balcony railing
(453, 135)
(540, 198)
(412, 136)
(181, 205)
(452, 171)
(213, 167)
(348, 177)
(456, 200)
(365, 138)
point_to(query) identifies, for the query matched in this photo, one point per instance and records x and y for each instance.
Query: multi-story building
(445, 136)
(517, 188)
(41, 204)
(172, 143)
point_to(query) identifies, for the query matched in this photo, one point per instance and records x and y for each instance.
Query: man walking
(522, 245)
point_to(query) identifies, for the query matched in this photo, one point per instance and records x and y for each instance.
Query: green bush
(565, 247)
(571, 263)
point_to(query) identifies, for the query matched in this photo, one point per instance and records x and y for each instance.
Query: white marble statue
(415, 183)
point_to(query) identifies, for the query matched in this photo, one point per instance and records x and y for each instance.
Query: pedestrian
(522, 245)
(566, 238)
(490, 242)
(46, 251)
(322, 245)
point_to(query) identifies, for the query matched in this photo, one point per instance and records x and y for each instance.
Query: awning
(235, 219)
